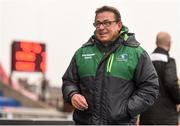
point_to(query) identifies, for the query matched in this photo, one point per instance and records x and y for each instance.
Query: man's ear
(119, 24)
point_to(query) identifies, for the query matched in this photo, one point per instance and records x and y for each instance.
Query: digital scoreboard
(28, 56)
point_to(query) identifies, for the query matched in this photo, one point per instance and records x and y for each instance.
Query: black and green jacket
(118, 81)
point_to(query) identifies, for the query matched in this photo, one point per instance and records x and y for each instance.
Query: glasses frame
(104, 23)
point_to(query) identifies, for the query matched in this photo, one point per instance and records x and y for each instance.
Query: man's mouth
(103, 33)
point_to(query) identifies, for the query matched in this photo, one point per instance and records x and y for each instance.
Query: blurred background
(39, 37)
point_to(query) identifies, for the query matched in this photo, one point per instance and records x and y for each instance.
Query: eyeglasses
(104, 23)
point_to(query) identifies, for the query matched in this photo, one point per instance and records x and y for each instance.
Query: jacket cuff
(68, 92)
(73, 93)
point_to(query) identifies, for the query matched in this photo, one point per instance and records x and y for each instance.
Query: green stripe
(110, 61)
(126, 37)
(108, 64)
(123, 33)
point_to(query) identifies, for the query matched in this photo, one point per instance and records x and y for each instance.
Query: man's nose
(101, 26)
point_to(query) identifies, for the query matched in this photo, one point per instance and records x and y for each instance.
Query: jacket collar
(161, 50)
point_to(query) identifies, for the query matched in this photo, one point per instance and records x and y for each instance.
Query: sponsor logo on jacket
(88, 56)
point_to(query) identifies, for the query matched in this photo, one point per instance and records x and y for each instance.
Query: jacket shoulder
(90, 42)
(138, 50)
(131, 40)
(85, 48)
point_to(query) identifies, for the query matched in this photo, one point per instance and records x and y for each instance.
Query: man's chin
(104, 40)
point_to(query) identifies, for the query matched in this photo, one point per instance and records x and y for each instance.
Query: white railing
(33, 113)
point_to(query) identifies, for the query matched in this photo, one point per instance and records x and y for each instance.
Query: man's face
(107, 28)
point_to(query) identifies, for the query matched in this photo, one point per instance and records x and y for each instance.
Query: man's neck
(164, 47)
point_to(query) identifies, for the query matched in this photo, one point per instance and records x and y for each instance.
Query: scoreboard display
(28, 56)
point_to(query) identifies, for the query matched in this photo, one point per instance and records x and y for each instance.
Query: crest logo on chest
(123, 57)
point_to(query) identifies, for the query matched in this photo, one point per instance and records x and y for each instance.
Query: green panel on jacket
(87, 59)
(123, 65)
(125, 62)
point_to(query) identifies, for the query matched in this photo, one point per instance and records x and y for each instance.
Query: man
(110, 79)
(164, 111)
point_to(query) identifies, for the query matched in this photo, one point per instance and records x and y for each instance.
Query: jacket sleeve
(70, 81)
(147, 86)
(171, 81)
